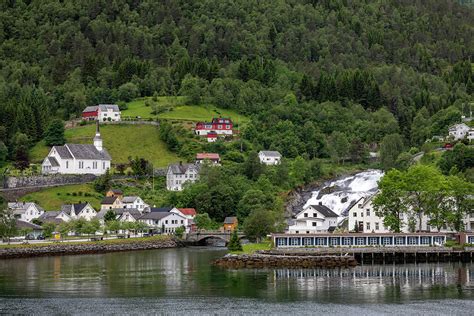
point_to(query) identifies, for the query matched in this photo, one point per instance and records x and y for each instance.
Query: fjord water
(182, 280)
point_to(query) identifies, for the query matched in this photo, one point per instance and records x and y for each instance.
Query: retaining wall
(61, 249)
(275, 261)
(46, 180)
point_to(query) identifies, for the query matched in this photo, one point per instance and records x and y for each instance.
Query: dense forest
(307, 72)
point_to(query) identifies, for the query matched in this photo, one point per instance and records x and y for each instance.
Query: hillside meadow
(121, 141)
(179, 110)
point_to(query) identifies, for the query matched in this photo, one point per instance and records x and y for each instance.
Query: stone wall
(274, 261)
(45, 181)
(70, 248)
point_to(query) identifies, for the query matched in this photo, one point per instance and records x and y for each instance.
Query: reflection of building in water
(373, 280)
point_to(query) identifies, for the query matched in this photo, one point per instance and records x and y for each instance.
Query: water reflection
(181, 273)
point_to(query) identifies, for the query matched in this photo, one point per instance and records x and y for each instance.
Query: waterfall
(339, 194)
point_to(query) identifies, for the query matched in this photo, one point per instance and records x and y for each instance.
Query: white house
(269, 157)
(470, 134)
(313, 219)
(166, 222)
(459, 131)
(109, 112)
(25, 211)
(211, 158)
(180, 173)
(78, 158)
(79, 210)
(134, 202)
(121, 214)
(55, 217)
(362, 218)
(102, 112)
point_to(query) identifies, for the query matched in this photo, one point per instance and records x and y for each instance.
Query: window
(360, 241)
(182, 222)
(281, 241)
(320, 241)
(412, 240)
(399, 240)
(67, 164)
(354, 214)
(227, 126)
(315, 224)
(305, 214)
(307, 241)
(219, 126)
(315, 215)
(334, 241)
(81, 164)
(386, 241)
(367, 226)
(373, 241)
(376, 226)
(425, 240)
(367, 212)
(361, 214)
(103, 165)
(166, 222)
(94, 165)
(347, 241)
(295, 241)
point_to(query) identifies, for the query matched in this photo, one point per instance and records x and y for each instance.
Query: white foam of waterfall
(347, 190)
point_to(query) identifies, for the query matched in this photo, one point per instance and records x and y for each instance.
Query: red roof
(188, 211)
(210, 156)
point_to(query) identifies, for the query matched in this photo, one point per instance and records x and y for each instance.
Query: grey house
(180, 173)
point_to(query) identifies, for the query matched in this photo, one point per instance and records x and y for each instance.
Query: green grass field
(180, 111)
(252, 247)
(52, 198)
(121, 141)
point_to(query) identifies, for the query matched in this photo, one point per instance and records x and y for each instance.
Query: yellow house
(230, 224)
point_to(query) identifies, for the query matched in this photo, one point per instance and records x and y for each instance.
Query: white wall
(114, 116)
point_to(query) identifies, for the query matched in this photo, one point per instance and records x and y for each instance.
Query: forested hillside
(307, 72)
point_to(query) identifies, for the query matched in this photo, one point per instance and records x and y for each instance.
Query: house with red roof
(219, 125)
(213, 158)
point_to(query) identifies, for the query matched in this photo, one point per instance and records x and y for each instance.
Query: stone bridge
(200, 236)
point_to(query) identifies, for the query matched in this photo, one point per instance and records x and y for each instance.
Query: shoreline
(83, 248)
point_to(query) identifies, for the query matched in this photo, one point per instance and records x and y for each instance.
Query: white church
(78, 158)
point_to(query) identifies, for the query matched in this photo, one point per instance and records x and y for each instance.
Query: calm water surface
(182, 281)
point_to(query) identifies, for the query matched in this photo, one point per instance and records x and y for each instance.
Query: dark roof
(78, 207)
(116, 191)
(230, 220)
(136, 214)
(92, 108)
(270, 153)
(324, 210)
(87, 151)
(161, 209)
(50, 217)
(155, 215)
(113, 107)
(181, 168)
(108, 200)
(63, 152)
(22, 224)
(53, 162)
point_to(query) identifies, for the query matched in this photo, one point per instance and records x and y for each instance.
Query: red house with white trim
(90, 113)
(220, 125)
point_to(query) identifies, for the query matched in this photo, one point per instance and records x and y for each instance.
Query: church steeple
(97, 138)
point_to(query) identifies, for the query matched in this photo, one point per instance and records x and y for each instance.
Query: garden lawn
(252, 247)
(52, 198)
(121, 141)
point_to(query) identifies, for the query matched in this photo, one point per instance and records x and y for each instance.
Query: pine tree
(55, 134)
(234, 243)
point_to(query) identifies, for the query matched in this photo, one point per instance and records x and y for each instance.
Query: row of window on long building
(359, 241)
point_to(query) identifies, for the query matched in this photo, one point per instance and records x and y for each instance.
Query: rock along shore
(279, 261)
(62, 249)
